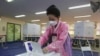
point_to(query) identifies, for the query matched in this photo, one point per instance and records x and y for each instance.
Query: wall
(3, 23)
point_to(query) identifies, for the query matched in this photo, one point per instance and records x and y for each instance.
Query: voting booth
(31, 30)
(84, 31)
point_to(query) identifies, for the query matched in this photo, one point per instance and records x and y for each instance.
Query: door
(17, 32)
(10, 32)
(13, 32)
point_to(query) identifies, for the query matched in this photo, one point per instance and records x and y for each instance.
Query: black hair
(53, 10)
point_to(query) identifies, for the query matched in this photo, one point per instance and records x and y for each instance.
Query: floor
(18, 48)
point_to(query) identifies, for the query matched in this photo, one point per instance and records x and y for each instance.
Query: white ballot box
(34, 49)
(30, 54)
(38, 54)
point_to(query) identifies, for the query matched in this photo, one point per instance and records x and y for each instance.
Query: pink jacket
(58, 46)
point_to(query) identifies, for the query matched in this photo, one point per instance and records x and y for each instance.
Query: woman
(57, 32)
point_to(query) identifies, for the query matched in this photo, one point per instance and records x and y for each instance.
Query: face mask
(52, 23)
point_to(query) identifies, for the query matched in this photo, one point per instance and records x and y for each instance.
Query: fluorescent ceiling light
(82, 16)
(87, 20)
(79, 21)
(35, 20)
(43, 23)
(80, 6)
(0, 19)
(42, 12)
(9, 0)
(42, 32)
(18, 16)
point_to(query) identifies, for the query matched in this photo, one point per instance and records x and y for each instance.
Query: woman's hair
(53, 10)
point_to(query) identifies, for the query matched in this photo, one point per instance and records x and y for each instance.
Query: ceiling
(29, 7)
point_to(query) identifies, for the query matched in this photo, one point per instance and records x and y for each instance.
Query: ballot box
(38, 54)
(34, 49)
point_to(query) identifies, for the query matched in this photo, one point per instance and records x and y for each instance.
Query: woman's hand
(45, 50)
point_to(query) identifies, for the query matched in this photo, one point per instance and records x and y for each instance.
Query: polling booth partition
(84, 32)
(31, 32)
(1, 40)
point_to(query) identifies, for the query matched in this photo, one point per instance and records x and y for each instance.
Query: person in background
(56, 34)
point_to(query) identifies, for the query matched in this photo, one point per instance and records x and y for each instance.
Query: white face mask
(52, 23)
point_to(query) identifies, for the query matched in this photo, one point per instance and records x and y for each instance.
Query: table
(31, 38)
